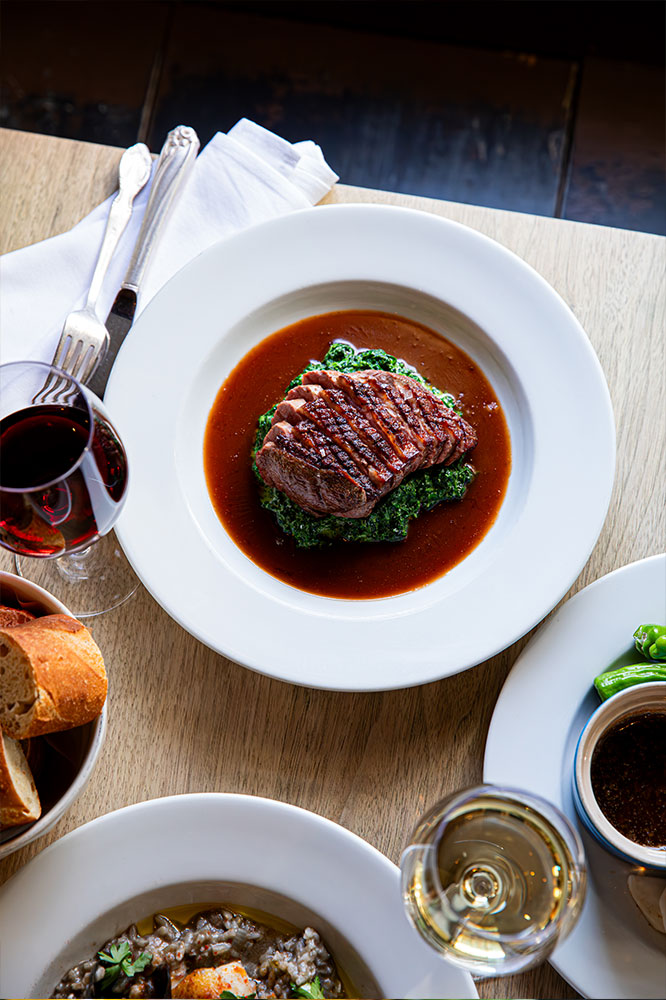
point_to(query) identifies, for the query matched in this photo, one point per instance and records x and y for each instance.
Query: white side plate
(545, 702)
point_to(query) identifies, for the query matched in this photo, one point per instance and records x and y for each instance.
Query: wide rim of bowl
(629, 701)
(47, 820)
(231, 837)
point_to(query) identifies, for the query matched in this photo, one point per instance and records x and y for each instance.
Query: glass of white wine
(493, 878)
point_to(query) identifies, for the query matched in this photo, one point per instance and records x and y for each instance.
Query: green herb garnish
(312, 991)
(119, 957)
(389, 520)
(228, 995)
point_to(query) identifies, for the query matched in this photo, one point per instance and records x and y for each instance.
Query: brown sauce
(628, 773)
(437, 540)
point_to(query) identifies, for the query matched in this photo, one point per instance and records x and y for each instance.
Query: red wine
(59, 490)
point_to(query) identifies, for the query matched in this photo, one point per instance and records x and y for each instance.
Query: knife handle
(133, 172)
(176, 160)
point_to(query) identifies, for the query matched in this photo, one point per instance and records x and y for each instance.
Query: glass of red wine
(63, 482)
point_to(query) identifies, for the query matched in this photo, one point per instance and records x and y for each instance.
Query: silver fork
(84, 336)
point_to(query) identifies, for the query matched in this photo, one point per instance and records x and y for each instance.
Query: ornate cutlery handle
(133, 172)
(176, 160)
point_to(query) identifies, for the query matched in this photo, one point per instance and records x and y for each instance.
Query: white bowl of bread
(52, 710)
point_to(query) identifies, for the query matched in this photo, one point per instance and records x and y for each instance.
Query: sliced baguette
(52, 677)
(19, 801)
(13, 616)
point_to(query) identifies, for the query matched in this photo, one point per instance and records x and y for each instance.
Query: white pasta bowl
(216, 848)
(79, 748)
(466, 288)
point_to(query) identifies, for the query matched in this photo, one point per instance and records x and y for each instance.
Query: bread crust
(16, 807)
(67, 668)
(13, 616)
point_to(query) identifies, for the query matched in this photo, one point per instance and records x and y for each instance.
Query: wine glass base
(91, 582)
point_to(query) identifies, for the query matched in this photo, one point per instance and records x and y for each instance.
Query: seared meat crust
(338, 442)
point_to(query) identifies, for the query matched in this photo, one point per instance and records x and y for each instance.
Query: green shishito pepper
(651, 641)
(610, 683)
(389, 521)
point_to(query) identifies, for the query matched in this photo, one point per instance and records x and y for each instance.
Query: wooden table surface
(380, 758)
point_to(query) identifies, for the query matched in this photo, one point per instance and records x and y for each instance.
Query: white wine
(493, 879)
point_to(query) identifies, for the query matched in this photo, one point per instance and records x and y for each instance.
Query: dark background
(551, 108)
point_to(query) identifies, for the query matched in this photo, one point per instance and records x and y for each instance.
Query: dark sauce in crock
(628, 773)
(437, 540)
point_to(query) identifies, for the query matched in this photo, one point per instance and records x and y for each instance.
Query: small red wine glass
(63, 483)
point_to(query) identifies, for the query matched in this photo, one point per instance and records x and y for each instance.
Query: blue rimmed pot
(649, 697)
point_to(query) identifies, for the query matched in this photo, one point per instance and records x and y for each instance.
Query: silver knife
(174, 165)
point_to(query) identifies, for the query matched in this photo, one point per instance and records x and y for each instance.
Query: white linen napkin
(239, 179)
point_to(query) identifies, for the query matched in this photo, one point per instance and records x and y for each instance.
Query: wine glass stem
(74, 566)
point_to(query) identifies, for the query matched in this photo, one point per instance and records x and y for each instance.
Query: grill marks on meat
(341, 434)
(339, 443)
(293, 463)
